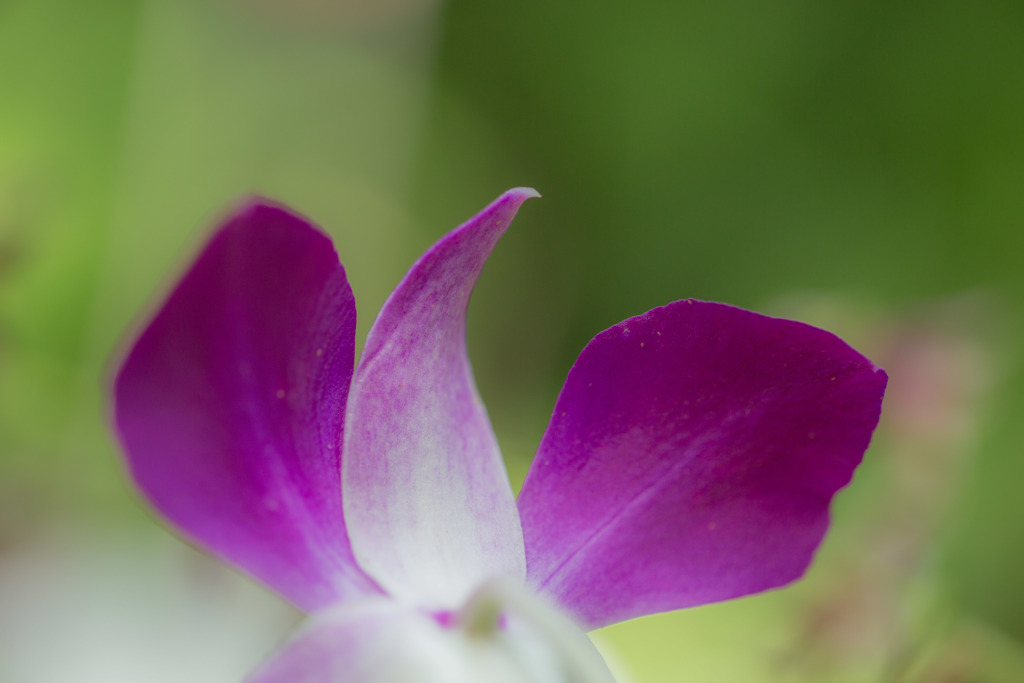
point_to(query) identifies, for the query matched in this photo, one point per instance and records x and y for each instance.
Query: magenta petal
(691, 458)
(427, 500)
(231, 404)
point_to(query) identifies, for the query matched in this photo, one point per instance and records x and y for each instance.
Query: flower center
(504, 613)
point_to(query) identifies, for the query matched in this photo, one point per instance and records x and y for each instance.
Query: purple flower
(691, 457)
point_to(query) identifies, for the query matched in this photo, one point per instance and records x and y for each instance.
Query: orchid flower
(691, 457)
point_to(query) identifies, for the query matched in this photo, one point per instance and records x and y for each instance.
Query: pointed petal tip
(523, 193)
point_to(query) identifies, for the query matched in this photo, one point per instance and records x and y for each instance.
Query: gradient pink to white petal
(691, 457)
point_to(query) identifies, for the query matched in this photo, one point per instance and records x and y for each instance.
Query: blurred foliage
(856, 165)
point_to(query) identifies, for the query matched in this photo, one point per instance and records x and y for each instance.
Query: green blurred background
(858, 165)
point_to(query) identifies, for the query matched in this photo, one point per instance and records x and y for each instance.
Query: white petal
(428, 505)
